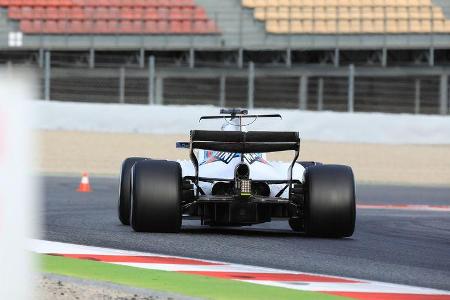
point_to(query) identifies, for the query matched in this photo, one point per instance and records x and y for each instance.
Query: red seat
(175, 27)
(187, 26)
(102, 13)
(151, 26)
(163, 13)
(75, 26)
(50, 26)
(162, 26)
(52, 13)
(110, 16)
(26, 26)
(200, 14)
(14, 12)
(150, 13)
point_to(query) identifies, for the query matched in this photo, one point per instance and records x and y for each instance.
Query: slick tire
(156, 196)
(330, 209)
(124, 203)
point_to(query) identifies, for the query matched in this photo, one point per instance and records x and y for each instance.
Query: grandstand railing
(370, 89)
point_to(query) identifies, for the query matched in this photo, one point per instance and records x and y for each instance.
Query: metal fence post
(240, 58)
(222, 95)
(159, 90)
(443, 95)
(122, 85)
(251, 85)
(288, 57)
(47, 75)
(417, 96)
(336, 57)
(431, 57)
(142, 58)
(41, 58)
(351, 88)
(91, 58)
(303, 92)
(384, 57)
(320, 94)
(191, 58)
(151, 80)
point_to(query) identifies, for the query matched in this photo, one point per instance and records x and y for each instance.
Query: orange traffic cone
(84, 187)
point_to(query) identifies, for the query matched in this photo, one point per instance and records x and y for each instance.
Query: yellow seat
(426, 25)
(403, 26)
(296, 26)
(344, 26)
(259, 13)
(437, 13)
(343, 13)
(319, 12)
(248, 3)
(355, 26)
(319, 26)
(378, 13)
(415, 26)
(296, 13)
(402, 12)
(439, 26)
(391, 26)
(283, 12)
(272, 26)
(414, 12)
(308, 26)
(330, 13)
(355, 12)
(271, 13)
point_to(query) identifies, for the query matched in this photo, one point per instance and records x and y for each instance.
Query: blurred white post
(351, 88)
(18, 194)
(151, 80)
(222, 96)
(47, 75)
(320, 94)
(444, 95)
(303, 92)
(417, 96)
(251, 85)
(122, 85)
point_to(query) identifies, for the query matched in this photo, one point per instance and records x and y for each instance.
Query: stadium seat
(110, 16)
(349, 16)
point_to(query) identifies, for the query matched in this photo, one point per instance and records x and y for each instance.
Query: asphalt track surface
(406, 247)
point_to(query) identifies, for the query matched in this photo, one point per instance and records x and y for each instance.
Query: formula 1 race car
(230, 182)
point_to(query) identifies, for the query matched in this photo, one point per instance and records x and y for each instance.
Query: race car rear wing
(243, 142)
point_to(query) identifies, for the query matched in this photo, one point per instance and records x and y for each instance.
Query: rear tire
(156, 196)
(124, 204)
(329, 201)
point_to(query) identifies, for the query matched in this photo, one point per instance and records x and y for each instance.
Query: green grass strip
(183, 284)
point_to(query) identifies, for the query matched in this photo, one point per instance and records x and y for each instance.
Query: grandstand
(363, 55)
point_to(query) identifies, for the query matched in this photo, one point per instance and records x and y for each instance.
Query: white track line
(307, 281)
